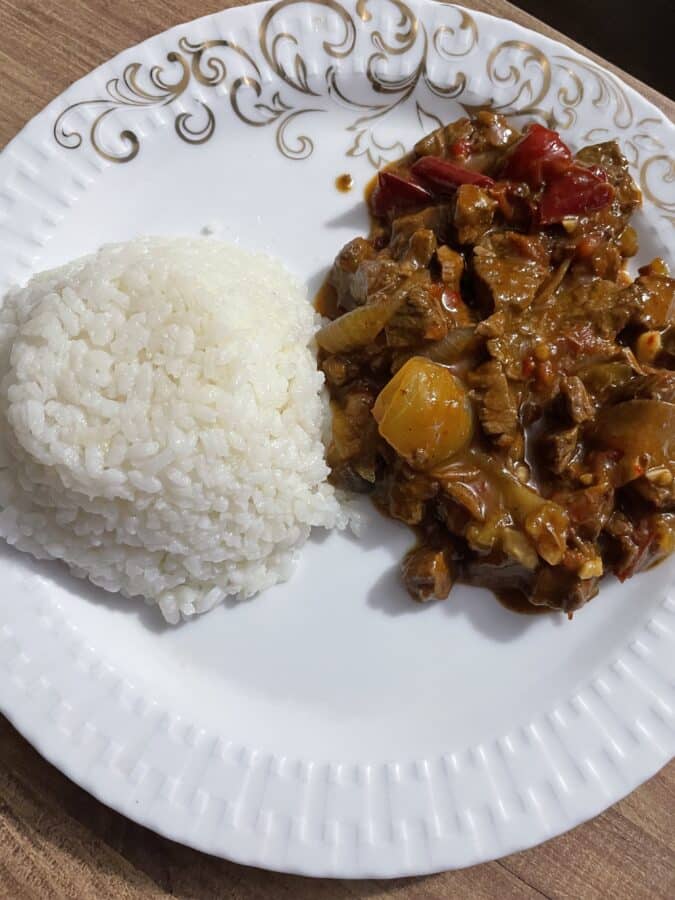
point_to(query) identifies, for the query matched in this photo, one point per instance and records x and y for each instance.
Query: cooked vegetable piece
(424, 413)
(443, 176)
(362, 325)
(396, 193)
(574, 192)
(537, 157)
(460, 345)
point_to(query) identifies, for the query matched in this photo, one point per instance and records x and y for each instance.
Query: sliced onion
(360, 326)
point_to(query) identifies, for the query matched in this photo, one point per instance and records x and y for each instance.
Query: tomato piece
(443, 176)
(576, 191)
(396, 193)
(539, 155)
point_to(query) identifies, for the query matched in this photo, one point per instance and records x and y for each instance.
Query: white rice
(160, 421)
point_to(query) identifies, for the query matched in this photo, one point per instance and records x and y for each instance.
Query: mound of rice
(160, 421)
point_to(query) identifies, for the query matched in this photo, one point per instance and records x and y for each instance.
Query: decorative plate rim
(244, 830)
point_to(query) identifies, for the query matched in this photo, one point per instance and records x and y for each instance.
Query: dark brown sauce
(511, 597)
(515, 601)
(344, 183)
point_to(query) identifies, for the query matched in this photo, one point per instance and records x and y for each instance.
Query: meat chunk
(629, 545)
(427, 573)
(474, 213)
(469, 489)
(558, 448)
(657, 487)
(433, 218)
(446, 140)
(373, 276)
(651, 299)
(421, 248)
(537, 247)
(640, 434)
(452, 266)
(421, 318)
(351, 453)
(497, 406)
(637, 545)
(404, 493)
(596, 256)
(511, 581)
(576, 403)
(610, 159)
(558, 588)
(506, 279)
(582, 321)
(597, 233)
(346, 264)
(479, 143)
(599, 305)
(339, 370)
(589, 509)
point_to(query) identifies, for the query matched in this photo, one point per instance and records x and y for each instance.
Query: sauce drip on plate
(344, 183)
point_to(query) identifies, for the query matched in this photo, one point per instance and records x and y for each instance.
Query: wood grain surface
(56, 840)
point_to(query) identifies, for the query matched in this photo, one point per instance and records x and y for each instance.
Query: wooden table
(56, 840)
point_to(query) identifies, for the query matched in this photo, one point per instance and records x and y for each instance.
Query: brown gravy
(344, 183)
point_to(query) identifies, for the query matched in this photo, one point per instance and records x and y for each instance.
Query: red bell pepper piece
(538, 156)
(576, 191)
(395, 193)
(443, 176)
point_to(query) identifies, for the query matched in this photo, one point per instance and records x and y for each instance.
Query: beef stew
(498, 381)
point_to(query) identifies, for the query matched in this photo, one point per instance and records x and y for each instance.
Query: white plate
(330, 726)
